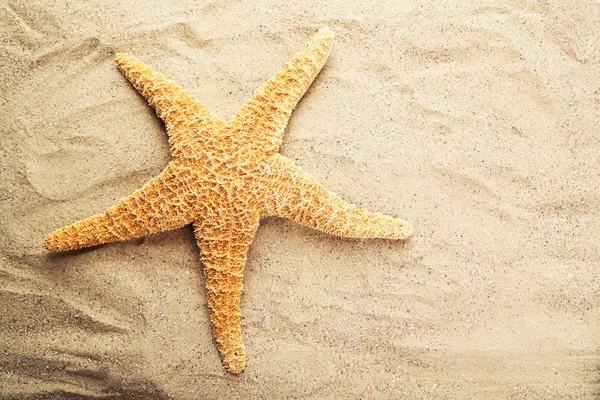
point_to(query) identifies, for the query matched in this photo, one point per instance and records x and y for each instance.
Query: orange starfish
(225, 176)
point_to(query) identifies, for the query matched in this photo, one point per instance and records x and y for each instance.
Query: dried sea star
(225, 176)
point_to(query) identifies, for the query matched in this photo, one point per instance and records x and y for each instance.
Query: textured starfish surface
(223, 177)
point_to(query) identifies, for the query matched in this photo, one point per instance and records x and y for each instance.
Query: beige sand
(478, 123)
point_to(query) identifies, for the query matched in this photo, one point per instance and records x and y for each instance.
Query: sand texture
(478, 122)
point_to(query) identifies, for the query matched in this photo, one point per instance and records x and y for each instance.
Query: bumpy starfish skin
(225, 176)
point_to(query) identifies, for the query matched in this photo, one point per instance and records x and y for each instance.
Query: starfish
(223, 177)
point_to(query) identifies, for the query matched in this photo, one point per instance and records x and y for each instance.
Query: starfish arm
(301, 198)
(180, 111)
(267, 112)
(158, 206)
(224, 249)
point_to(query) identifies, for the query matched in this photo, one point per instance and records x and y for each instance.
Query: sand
(478, 122)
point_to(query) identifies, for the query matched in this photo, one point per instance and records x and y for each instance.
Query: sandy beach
(477, 122)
